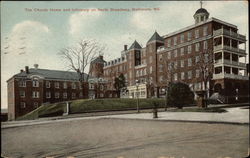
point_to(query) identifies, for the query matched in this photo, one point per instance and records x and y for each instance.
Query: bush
(179, 94)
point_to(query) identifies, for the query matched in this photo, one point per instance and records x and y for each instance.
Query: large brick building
(32, 87)
(178, 56)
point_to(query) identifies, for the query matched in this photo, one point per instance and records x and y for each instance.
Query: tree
(205, 65)
(179, 94)
(120, 82)
(78, 57)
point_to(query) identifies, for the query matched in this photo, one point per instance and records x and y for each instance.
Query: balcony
(228, 33)
(232, 49)
(229, 62)
(231, 76)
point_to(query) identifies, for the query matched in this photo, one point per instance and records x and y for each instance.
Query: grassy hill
(87, 105)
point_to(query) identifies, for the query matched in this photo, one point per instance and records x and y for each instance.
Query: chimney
(36, 66)
(125, 47)
(101, 57)
(27, 69)
(21, 70)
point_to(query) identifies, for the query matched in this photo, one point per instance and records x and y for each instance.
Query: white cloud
(82, 20)
(23, 46)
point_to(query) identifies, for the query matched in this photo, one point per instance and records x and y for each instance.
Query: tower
(201, 15)
(96, 67)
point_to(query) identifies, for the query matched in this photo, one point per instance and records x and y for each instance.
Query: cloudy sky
(29, 36)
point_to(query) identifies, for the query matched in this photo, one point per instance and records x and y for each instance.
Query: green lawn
(88, 105)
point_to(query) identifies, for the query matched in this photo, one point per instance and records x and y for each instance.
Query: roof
(51, 74)
(201, 10)
(196, 25)
(98, 60)
(135, 45)
(155, 37)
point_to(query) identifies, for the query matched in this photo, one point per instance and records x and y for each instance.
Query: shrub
(179, 94)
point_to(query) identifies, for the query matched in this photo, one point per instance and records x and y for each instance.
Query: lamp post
(166, 94)
(137, 94)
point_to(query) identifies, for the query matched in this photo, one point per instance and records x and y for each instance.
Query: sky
(34, 33)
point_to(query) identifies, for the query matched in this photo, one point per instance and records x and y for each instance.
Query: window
(48, 94)
(169, 55)
(91, 86)
(151, 69)
(197, 33)
(189, 36)
(205, 28)
(206, 58)
(22, 105)
(150, 59)
(205, 45)
(65, 85)
(182, 75)
(175, 40)
(197, 73)
(182, 63)
(175, 53)
(182, 51)
(35, 94)
(197, 47)
(160, 78)
(35, 83)
(160, 68)
(101, 87)
(169, 42)
(73, 85)
(189, 61)
(189, 49)
(101, 95)
(35, 104)
(73, 95)
(160, 57)
(56, 84)
(65, 95)
(22, 94)
(175, 77)
(47, 84)
(189, 74)
(57, 95)
(22, 83)
(80, 95)
(182, 38)
(197, 59)
(80, 85)
(175, 64)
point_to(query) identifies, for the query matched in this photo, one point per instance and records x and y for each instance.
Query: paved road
(112, 138)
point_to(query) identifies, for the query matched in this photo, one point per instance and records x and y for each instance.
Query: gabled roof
(135, 45)
(155, 37)
(51, 74)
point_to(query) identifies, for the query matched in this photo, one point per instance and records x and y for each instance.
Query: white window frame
(73, 85)
(48, 95)
(190, 74)
(47, 84)
(197, 33)
(175, 40)
(22, 83)
(35, 94)
(182, 51)
(57, 95)
(197, 47)
(189, 35)
(65, 86)
(197, 73)
(189, 49)
(182, 63)
(205, 45)
(35, 104)
(182, 38)
(22, 94)
(35, 83)
(22, 105)
(65, 95)
(175, 76)
(56, 84)
(189, 61)
(182, 75)
(175, 53)
(205, 30)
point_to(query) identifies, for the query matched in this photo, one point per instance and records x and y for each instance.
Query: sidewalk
(238, 115)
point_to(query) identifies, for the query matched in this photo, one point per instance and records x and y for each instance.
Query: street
(107, 137)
